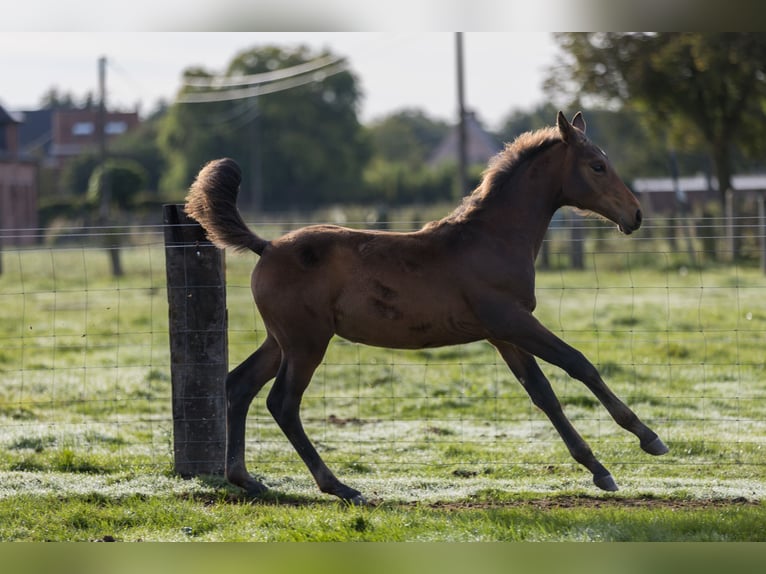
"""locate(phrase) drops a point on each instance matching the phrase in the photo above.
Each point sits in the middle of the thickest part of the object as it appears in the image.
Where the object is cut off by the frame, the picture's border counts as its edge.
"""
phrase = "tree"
(122, 179)
(52, 99)
(111, 187)
(300, 147)
(699, 89)
(141, 146)
(408, 137)
(520, 121)
(76, 173)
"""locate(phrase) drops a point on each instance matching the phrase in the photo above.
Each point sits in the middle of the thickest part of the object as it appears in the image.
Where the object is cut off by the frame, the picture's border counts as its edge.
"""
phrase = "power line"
(260, 90)
(264, 77)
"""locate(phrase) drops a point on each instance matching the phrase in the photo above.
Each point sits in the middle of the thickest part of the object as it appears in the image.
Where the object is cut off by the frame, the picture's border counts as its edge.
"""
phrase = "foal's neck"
(522, 209)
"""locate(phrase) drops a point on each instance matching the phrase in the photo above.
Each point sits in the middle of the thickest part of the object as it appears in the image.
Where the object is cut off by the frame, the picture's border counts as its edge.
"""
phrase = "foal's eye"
(598, 167)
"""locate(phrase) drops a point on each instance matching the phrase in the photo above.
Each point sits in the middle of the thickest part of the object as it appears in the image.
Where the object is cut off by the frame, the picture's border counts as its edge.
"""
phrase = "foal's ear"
(579, 122)
(565, 128)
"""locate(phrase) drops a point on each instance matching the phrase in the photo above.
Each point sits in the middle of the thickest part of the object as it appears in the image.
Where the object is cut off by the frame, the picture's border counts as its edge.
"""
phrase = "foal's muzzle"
(628, 228)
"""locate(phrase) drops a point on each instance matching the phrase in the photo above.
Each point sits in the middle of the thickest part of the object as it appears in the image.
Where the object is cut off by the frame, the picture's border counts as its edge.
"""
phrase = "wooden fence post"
(762, 227)
(576, 242)
(196, 285)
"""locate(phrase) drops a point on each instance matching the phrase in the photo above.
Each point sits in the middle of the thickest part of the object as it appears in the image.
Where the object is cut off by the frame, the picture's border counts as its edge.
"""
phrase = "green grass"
(445, 442)
(63, 507)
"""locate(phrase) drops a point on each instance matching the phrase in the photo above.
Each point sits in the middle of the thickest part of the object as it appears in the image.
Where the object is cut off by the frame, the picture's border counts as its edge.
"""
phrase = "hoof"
(256, 491)
(605, 482)
(251, 486)
(656, 447)
(356, 500)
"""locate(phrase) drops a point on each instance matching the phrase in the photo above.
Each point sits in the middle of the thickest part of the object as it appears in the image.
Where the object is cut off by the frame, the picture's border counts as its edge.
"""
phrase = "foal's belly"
(401, 340)
(414, 326)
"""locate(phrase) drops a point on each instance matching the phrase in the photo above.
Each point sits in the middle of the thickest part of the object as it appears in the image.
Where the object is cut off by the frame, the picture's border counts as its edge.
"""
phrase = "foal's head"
(591, 183)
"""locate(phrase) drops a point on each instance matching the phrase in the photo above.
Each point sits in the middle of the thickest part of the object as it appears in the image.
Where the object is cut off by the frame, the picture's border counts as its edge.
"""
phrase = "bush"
(397, 184)
(123, 178)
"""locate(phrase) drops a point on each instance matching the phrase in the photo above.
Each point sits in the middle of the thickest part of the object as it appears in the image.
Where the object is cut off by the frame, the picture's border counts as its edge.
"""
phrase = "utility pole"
(462, 144)
(111, 237)
(101, 135)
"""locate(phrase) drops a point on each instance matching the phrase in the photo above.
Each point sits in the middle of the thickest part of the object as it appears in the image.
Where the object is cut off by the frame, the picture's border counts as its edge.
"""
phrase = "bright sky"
(503, 71)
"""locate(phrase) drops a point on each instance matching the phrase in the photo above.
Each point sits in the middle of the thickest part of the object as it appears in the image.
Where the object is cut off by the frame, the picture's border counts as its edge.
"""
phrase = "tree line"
(698, 97)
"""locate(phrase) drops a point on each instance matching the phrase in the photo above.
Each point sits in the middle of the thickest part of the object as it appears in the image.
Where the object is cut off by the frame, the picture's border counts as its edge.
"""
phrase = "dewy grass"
(445, 441)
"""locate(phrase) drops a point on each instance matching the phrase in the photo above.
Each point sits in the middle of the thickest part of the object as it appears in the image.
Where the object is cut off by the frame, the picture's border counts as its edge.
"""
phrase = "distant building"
(74, 132)
(18, 187)
(480, 145)
(53, 137)
(35, 134)
(665, 194)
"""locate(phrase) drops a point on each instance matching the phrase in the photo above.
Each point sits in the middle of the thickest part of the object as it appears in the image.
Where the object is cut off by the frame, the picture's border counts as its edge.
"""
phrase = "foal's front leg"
(526, 369)
(519, 327)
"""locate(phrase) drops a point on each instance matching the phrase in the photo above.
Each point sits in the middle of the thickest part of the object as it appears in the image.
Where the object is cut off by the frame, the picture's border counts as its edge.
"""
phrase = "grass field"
(444, 442)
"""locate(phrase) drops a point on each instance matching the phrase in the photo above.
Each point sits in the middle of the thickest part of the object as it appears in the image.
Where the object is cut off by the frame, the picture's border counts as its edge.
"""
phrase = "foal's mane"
(502, 167)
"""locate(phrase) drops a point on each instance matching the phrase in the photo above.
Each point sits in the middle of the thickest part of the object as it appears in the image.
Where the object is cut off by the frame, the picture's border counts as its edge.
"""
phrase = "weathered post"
(576, 242)
(731, 237)
(762, 227)
(196, 285)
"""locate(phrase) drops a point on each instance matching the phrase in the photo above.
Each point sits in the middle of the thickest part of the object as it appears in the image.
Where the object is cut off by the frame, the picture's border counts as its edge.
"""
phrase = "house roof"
(697, 183)
(35, 130)
(6, 118)
(480, 146)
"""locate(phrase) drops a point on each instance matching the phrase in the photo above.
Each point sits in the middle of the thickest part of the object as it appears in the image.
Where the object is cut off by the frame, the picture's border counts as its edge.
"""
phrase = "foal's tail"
(212, 201)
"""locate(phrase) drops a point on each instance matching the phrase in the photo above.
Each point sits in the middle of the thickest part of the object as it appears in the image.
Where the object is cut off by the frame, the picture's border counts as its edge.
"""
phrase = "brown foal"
(467, 277)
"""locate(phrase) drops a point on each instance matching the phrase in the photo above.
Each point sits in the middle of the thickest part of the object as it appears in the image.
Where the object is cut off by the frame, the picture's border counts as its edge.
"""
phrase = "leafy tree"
(398, 172)
(397, 183)
(76, 173)
(121, 179)
(408, 137)
(695, 89)
(141, 145)
(53, 99)
(299, 147)
(111, 188)
(520, 121)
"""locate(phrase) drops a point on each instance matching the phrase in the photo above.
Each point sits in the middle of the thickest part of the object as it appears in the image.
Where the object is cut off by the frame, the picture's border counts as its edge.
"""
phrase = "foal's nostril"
(639, 218)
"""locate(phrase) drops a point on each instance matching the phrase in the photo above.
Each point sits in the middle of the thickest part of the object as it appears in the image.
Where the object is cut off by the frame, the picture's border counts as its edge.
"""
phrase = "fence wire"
(676, 329)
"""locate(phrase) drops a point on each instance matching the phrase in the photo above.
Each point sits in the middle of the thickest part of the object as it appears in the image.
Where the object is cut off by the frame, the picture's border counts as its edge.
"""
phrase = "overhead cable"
(262, 78)
(262, 89)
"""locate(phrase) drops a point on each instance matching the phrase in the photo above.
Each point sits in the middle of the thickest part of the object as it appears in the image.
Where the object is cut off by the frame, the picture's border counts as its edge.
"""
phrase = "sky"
(503, 70)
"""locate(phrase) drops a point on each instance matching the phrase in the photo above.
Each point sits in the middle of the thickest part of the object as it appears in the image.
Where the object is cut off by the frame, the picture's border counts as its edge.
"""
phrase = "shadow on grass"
(226, 493)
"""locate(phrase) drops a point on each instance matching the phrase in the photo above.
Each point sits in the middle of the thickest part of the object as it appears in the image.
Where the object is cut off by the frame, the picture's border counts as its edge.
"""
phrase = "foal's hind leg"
(284, 402)
(242, 384)
(536, 384)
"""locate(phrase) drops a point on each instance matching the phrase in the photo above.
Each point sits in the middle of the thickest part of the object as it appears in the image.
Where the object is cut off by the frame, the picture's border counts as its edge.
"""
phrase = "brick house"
(18, 187)
(76, 131)
(56, 136)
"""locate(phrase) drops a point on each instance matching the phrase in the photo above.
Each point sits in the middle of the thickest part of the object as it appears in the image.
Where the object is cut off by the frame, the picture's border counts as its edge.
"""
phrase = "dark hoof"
(348, 495)
(251, 486)
(656, 447)
(605, 482)
(357, 500)
(257, 491)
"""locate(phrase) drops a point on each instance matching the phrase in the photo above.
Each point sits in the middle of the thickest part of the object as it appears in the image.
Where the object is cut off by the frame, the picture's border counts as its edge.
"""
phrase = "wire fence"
(676, 327)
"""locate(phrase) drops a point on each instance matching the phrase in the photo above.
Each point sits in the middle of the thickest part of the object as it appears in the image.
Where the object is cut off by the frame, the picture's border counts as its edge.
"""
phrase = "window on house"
(83, 129)
(115, 128)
